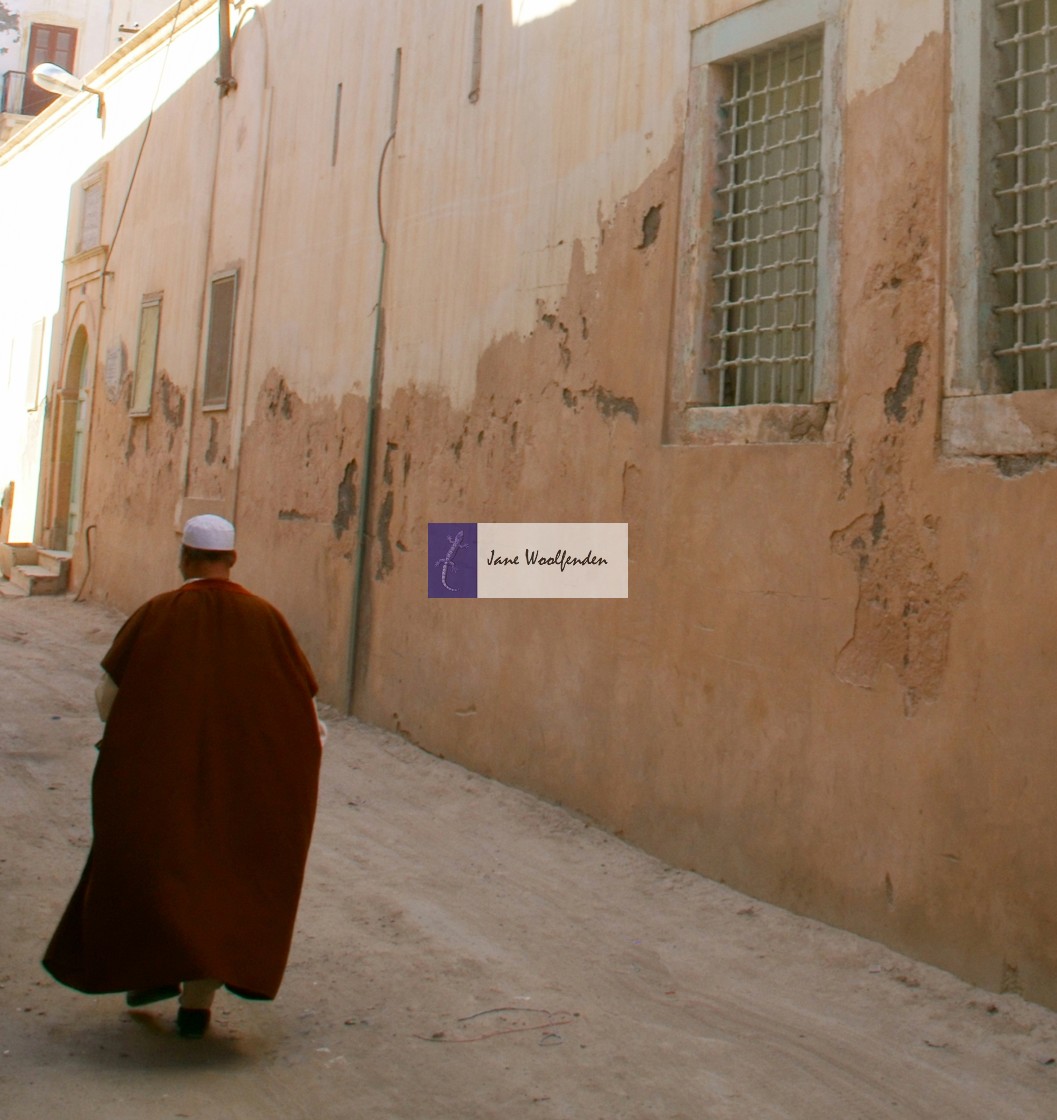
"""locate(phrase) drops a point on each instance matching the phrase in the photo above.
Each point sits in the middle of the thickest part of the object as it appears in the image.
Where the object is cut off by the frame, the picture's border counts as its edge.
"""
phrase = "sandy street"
(465, 951)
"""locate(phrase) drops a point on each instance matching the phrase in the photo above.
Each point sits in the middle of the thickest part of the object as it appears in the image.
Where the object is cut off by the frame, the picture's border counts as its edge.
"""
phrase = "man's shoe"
(142, 996)
(192, 1022)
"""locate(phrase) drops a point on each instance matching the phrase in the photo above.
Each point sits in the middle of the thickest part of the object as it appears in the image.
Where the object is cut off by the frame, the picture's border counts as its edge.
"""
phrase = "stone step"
(37, 580)
(9, 591)
(13, 554)
(54, 560)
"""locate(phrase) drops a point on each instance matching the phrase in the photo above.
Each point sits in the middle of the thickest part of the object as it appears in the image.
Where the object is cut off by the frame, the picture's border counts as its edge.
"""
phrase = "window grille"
(766, 236)
(1026, 190)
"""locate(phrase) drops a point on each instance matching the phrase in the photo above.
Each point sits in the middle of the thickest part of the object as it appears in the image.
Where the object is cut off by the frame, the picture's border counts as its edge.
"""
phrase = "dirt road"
(465, 951)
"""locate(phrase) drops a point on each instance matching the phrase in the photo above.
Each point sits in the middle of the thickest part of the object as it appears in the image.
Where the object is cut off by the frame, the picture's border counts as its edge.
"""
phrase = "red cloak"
(203, 800)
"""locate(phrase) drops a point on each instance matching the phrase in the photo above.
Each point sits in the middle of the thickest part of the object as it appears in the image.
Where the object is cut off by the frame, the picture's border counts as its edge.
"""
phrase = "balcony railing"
(13, 92)
(20, 94)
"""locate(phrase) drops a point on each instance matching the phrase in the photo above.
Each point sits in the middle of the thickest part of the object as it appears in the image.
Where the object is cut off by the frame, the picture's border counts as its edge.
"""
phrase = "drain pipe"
(225, 80)
(373, 398)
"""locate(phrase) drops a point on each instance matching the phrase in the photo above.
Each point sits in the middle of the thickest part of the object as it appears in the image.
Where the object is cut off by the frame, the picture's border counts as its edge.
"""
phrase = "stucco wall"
(829, 685)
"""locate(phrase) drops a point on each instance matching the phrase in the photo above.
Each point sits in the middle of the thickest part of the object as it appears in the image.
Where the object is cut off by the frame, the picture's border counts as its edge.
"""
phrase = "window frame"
(980, 418)
(715, 48)
(153, 300)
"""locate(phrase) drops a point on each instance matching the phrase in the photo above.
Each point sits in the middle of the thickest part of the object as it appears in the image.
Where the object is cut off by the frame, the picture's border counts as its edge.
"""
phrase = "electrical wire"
(139, 157)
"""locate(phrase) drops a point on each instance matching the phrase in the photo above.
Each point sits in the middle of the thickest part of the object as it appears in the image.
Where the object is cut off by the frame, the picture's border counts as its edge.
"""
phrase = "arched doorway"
(71, 442)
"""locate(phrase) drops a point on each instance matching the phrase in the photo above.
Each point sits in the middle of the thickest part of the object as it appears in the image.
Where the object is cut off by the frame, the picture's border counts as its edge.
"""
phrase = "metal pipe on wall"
(373, 399)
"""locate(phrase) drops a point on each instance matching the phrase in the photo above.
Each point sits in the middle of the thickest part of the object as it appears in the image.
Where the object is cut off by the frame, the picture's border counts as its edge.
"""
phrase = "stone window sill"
(756, 424)
(1001, 424)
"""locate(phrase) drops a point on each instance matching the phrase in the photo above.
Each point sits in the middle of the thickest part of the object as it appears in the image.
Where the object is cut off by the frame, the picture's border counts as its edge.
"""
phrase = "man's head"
(207, 550)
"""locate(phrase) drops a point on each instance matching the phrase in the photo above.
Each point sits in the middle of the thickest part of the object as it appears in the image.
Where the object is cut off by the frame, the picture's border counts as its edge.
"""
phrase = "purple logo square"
(452, 565)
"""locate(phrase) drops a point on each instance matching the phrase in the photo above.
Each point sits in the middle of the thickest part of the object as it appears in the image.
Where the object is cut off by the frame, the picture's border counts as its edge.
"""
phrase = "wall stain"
(213, 448)
(293, 515)
(279, 400)
(346, 500)
(607, 402)
(386, 562)
(564, 352)
(1016, 466)
(173, 402)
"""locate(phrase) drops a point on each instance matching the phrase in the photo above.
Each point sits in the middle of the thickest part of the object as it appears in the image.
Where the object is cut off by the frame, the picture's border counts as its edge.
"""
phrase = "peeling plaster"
(346, 504)
(904, 611)
(879, 45)
(896, 398)
(651, 225)
(904, 607)
(610, 405)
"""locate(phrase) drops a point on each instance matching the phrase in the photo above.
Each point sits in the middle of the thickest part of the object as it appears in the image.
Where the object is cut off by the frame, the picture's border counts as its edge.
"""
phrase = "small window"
(220, 340)
(754, 344)
(36, 363)
(146, 355)
(91, 213)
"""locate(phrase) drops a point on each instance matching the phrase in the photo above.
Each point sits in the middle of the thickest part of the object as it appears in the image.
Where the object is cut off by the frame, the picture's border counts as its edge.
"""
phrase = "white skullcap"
(210, 533)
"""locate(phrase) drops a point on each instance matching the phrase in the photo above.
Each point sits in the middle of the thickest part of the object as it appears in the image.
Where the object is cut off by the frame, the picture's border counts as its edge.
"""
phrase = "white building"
(75, 34)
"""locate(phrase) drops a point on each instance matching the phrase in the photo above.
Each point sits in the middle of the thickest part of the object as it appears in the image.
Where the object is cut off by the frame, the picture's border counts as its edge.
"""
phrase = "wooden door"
(47, 43)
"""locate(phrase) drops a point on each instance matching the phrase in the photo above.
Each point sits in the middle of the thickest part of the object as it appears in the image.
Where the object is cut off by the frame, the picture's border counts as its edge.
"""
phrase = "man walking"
(203, 797)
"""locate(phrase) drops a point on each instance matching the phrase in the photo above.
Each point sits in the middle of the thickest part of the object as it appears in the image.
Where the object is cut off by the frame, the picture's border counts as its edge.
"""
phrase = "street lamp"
(54, 79)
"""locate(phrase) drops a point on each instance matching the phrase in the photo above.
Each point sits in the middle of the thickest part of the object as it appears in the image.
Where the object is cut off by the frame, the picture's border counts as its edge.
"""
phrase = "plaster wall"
(829, 685)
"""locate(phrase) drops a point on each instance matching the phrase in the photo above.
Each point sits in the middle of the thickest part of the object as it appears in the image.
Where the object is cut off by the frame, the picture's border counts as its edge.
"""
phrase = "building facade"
(769, 281)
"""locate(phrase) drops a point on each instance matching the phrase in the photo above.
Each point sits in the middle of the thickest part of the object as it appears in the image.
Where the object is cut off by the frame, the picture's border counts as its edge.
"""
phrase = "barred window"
(754, 346)
(1000, 376)
(1026, 193)
(766, 233)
